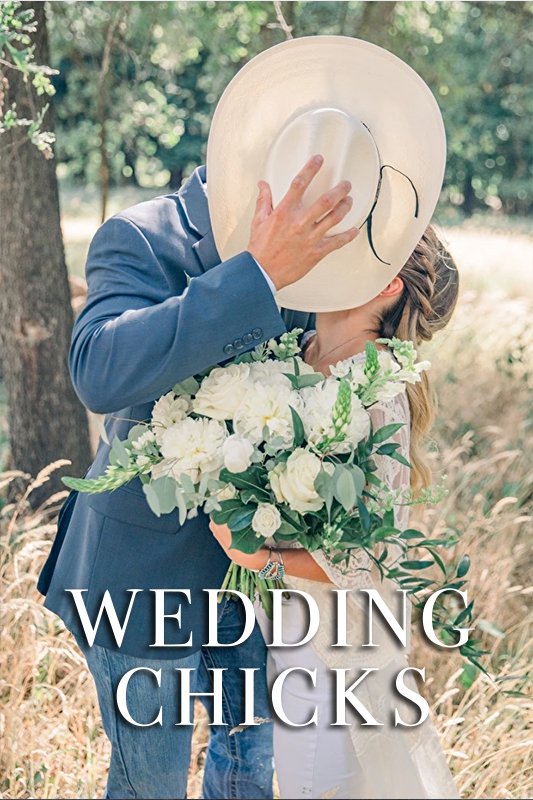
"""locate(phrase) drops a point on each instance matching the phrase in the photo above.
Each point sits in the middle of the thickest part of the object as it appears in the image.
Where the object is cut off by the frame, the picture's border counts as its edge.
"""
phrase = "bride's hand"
(251, 561)
(222, 534)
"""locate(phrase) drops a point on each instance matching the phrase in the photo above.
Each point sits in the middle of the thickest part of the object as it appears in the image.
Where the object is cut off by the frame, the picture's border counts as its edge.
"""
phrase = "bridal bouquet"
(282, 454)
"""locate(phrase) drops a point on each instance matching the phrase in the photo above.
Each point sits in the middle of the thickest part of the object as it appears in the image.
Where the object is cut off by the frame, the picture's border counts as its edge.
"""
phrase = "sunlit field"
(53, 744)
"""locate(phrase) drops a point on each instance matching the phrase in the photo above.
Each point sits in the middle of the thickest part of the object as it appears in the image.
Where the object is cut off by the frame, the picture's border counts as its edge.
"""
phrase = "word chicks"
(343, 683)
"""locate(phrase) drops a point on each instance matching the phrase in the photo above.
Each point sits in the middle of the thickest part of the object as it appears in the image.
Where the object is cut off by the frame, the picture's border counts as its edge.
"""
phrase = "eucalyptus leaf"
(345, 491)
(188, 386)
(118, 449)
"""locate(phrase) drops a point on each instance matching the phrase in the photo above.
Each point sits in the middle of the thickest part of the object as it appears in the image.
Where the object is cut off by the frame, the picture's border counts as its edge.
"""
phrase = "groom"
(161, 307)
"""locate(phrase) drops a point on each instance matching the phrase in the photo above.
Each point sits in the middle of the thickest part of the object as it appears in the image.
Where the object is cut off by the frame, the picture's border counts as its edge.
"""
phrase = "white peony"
(267, 404)
(272, 371)
(221, 391)
(266, 520)
(193, 446)
(237, 453)
(293, 482)
(317, 416)
(168, 410)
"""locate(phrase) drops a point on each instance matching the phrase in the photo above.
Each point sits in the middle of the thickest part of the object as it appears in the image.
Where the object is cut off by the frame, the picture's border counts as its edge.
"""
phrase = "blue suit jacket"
(161, 306)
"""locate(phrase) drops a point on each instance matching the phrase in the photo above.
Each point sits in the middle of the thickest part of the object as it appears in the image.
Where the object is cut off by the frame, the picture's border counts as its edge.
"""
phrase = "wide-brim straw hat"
(377, 124)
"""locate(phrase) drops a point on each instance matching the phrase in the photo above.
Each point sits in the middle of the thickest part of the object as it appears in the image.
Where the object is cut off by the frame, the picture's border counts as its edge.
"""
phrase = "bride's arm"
(298, 562)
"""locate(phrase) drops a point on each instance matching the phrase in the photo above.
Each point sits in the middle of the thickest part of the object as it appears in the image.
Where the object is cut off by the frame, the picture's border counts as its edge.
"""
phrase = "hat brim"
(367, 82)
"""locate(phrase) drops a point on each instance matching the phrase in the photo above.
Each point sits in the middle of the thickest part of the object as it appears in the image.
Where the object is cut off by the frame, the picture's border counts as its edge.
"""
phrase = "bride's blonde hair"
(431, 284)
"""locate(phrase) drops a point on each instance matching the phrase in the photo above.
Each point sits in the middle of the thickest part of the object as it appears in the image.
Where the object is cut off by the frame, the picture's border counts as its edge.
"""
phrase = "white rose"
(293, 482)
(266, 520)
(168, 410)
(267, 404)
(237, 453)
(221, 391)
(319, 402)
(193, 446)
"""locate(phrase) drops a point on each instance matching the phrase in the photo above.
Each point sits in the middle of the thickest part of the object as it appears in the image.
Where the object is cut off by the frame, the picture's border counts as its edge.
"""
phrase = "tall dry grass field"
(53, 745)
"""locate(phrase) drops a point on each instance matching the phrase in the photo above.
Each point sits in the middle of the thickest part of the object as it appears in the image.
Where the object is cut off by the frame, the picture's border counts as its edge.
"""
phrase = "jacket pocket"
(125, 505)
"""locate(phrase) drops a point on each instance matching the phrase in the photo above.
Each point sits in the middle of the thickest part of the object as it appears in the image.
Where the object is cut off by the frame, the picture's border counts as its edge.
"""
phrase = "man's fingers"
(301, 181)
(336, 215)
(330, 243)
(263, 205)
(327, 203)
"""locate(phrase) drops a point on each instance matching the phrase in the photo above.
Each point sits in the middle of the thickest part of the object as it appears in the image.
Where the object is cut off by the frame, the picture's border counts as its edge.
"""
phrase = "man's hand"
(289, 241)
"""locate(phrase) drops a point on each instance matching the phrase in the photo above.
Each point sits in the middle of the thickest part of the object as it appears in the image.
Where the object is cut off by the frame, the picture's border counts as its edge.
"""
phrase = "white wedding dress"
(357, 761)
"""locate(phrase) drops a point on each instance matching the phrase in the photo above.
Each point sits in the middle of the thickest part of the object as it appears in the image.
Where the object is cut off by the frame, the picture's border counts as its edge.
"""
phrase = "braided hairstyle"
(431, 284)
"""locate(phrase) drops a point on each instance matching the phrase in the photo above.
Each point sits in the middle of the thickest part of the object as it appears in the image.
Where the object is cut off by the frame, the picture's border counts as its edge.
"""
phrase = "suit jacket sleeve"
(134, 340)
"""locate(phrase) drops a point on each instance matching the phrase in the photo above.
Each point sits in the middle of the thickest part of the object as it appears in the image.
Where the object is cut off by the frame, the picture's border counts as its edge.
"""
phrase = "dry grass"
(53, 744)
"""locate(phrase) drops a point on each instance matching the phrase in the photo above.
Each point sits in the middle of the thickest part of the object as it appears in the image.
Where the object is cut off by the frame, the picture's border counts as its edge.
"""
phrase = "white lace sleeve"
(396, 477)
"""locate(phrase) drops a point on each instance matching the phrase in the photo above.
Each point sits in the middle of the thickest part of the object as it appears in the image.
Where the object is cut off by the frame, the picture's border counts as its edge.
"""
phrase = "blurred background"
(103, 105)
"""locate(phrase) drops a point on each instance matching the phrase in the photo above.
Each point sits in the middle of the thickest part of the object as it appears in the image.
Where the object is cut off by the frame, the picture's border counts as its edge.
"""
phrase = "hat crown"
(349, 152)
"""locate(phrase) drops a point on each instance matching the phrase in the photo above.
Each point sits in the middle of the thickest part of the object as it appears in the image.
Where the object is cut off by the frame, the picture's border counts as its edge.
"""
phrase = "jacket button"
(229, 349)
(238, 344)
(247, 338)
(257, 333)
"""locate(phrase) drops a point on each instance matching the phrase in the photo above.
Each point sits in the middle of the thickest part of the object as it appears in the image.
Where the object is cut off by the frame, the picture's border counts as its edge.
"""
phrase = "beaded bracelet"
(273, 570)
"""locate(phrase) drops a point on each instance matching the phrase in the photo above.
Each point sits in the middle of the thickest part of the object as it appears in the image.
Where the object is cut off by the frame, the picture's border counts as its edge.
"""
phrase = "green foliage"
(170, 62)
(17, 53)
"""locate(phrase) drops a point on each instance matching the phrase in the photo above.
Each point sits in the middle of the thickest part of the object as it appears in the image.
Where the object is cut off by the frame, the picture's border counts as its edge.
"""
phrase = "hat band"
(368, 220)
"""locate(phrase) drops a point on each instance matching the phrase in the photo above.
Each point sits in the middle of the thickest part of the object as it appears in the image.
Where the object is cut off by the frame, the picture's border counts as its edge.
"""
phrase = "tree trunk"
(46, 420)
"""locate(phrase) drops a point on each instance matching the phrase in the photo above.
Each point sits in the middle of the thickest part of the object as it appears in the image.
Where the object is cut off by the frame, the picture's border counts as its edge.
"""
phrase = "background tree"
(46, 420)
(170, 62)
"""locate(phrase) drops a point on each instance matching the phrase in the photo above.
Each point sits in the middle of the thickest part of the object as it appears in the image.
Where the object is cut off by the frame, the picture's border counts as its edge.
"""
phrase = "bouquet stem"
(249, 583)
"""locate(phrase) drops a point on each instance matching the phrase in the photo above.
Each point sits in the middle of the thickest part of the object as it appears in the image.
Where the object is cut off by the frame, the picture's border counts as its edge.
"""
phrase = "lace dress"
(393, 762)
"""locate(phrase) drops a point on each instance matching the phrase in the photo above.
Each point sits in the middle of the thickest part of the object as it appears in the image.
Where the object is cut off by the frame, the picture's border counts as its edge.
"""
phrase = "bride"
(360, 761)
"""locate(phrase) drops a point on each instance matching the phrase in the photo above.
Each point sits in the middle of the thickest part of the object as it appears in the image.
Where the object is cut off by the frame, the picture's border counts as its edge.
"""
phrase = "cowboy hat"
(376, 123)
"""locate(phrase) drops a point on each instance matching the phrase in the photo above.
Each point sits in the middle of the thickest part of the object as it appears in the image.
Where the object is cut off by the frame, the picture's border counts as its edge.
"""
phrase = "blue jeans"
(153, 762)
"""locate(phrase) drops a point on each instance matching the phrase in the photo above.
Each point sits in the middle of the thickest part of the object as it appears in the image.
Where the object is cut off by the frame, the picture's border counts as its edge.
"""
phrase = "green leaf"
(118, 449)
(241, 518)
(364, 516)
(165, 491)
(246, 541)
(387, 449)
(152, 498)
(345, 491)
(358, 478)
(386, 432)
(135, 432)
(298, 427)
(463, 567)
(182, 508)
(187, 386)
(227, 507)
(411, 533)
(416, 564)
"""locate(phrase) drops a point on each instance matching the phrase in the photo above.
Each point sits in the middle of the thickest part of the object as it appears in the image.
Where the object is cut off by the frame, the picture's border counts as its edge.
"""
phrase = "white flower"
(389, 390)
(293, 482)
(193, 446)
(410, 376)
(272, 371)
(141, 441)
(142, 461)
(222, 390)
(266, 520)
(317, 416)
(237, 452)
(168, 410)
(267, 404)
